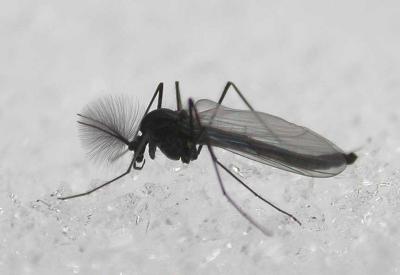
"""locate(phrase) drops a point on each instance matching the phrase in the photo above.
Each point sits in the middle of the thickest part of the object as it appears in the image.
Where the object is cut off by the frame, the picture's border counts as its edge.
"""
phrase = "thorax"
(162, 123)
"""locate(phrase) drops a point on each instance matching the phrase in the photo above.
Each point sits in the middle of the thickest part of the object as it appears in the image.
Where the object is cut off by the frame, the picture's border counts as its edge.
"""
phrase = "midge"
(110, 127)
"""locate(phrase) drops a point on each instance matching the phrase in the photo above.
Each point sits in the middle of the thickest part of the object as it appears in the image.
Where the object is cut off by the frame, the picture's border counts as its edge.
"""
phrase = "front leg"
(178, 96)
(159, 93)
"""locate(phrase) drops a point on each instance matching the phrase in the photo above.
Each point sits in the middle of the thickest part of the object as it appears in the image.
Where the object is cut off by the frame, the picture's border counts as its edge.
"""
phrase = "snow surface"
(332, 66)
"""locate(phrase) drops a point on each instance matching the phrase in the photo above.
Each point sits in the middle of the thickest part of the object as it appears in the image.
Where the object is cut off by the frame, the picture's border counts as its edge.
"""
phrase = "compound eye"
(131, 147)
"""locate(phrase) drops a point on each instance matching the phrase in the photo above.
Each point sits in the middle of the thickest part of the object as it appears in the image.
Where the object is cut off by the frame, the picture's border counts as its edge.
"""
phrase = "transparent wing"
(271, 140)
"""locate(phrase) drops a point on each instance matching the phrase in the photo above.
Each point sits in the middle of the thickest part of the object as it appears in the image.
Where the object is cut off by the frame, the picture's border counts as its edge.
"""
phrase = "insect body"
(168, 130)
(110, 128)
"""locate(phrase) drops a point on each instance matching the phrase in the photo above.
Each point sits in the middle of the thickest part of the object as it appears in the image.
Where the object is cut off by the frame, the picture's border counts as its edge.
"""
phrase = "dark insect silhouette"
(111, 127)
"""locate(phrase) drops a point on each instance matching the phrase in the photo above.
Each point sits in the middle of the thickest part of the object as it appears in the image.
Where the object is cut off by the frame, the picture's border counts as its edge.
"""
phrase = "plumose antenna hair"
(107, 125)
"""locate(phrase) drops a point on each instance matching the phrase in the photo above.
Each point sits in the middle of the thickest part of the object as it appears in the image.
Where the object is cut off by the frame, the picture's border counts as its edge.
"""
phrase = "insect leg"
(222, 97)
(256, 194)
(178, 96)
(241, 211)
(194, 152)
(159, 92)
(132, 164)
(101, 186)
(215, 161)
(236, 89)
(227, 86)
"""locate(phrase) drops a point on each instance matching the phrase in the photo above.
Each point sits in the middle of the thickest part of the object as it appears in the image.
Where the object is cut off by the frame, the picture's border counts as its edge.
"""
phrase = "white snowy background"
(332, 66)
